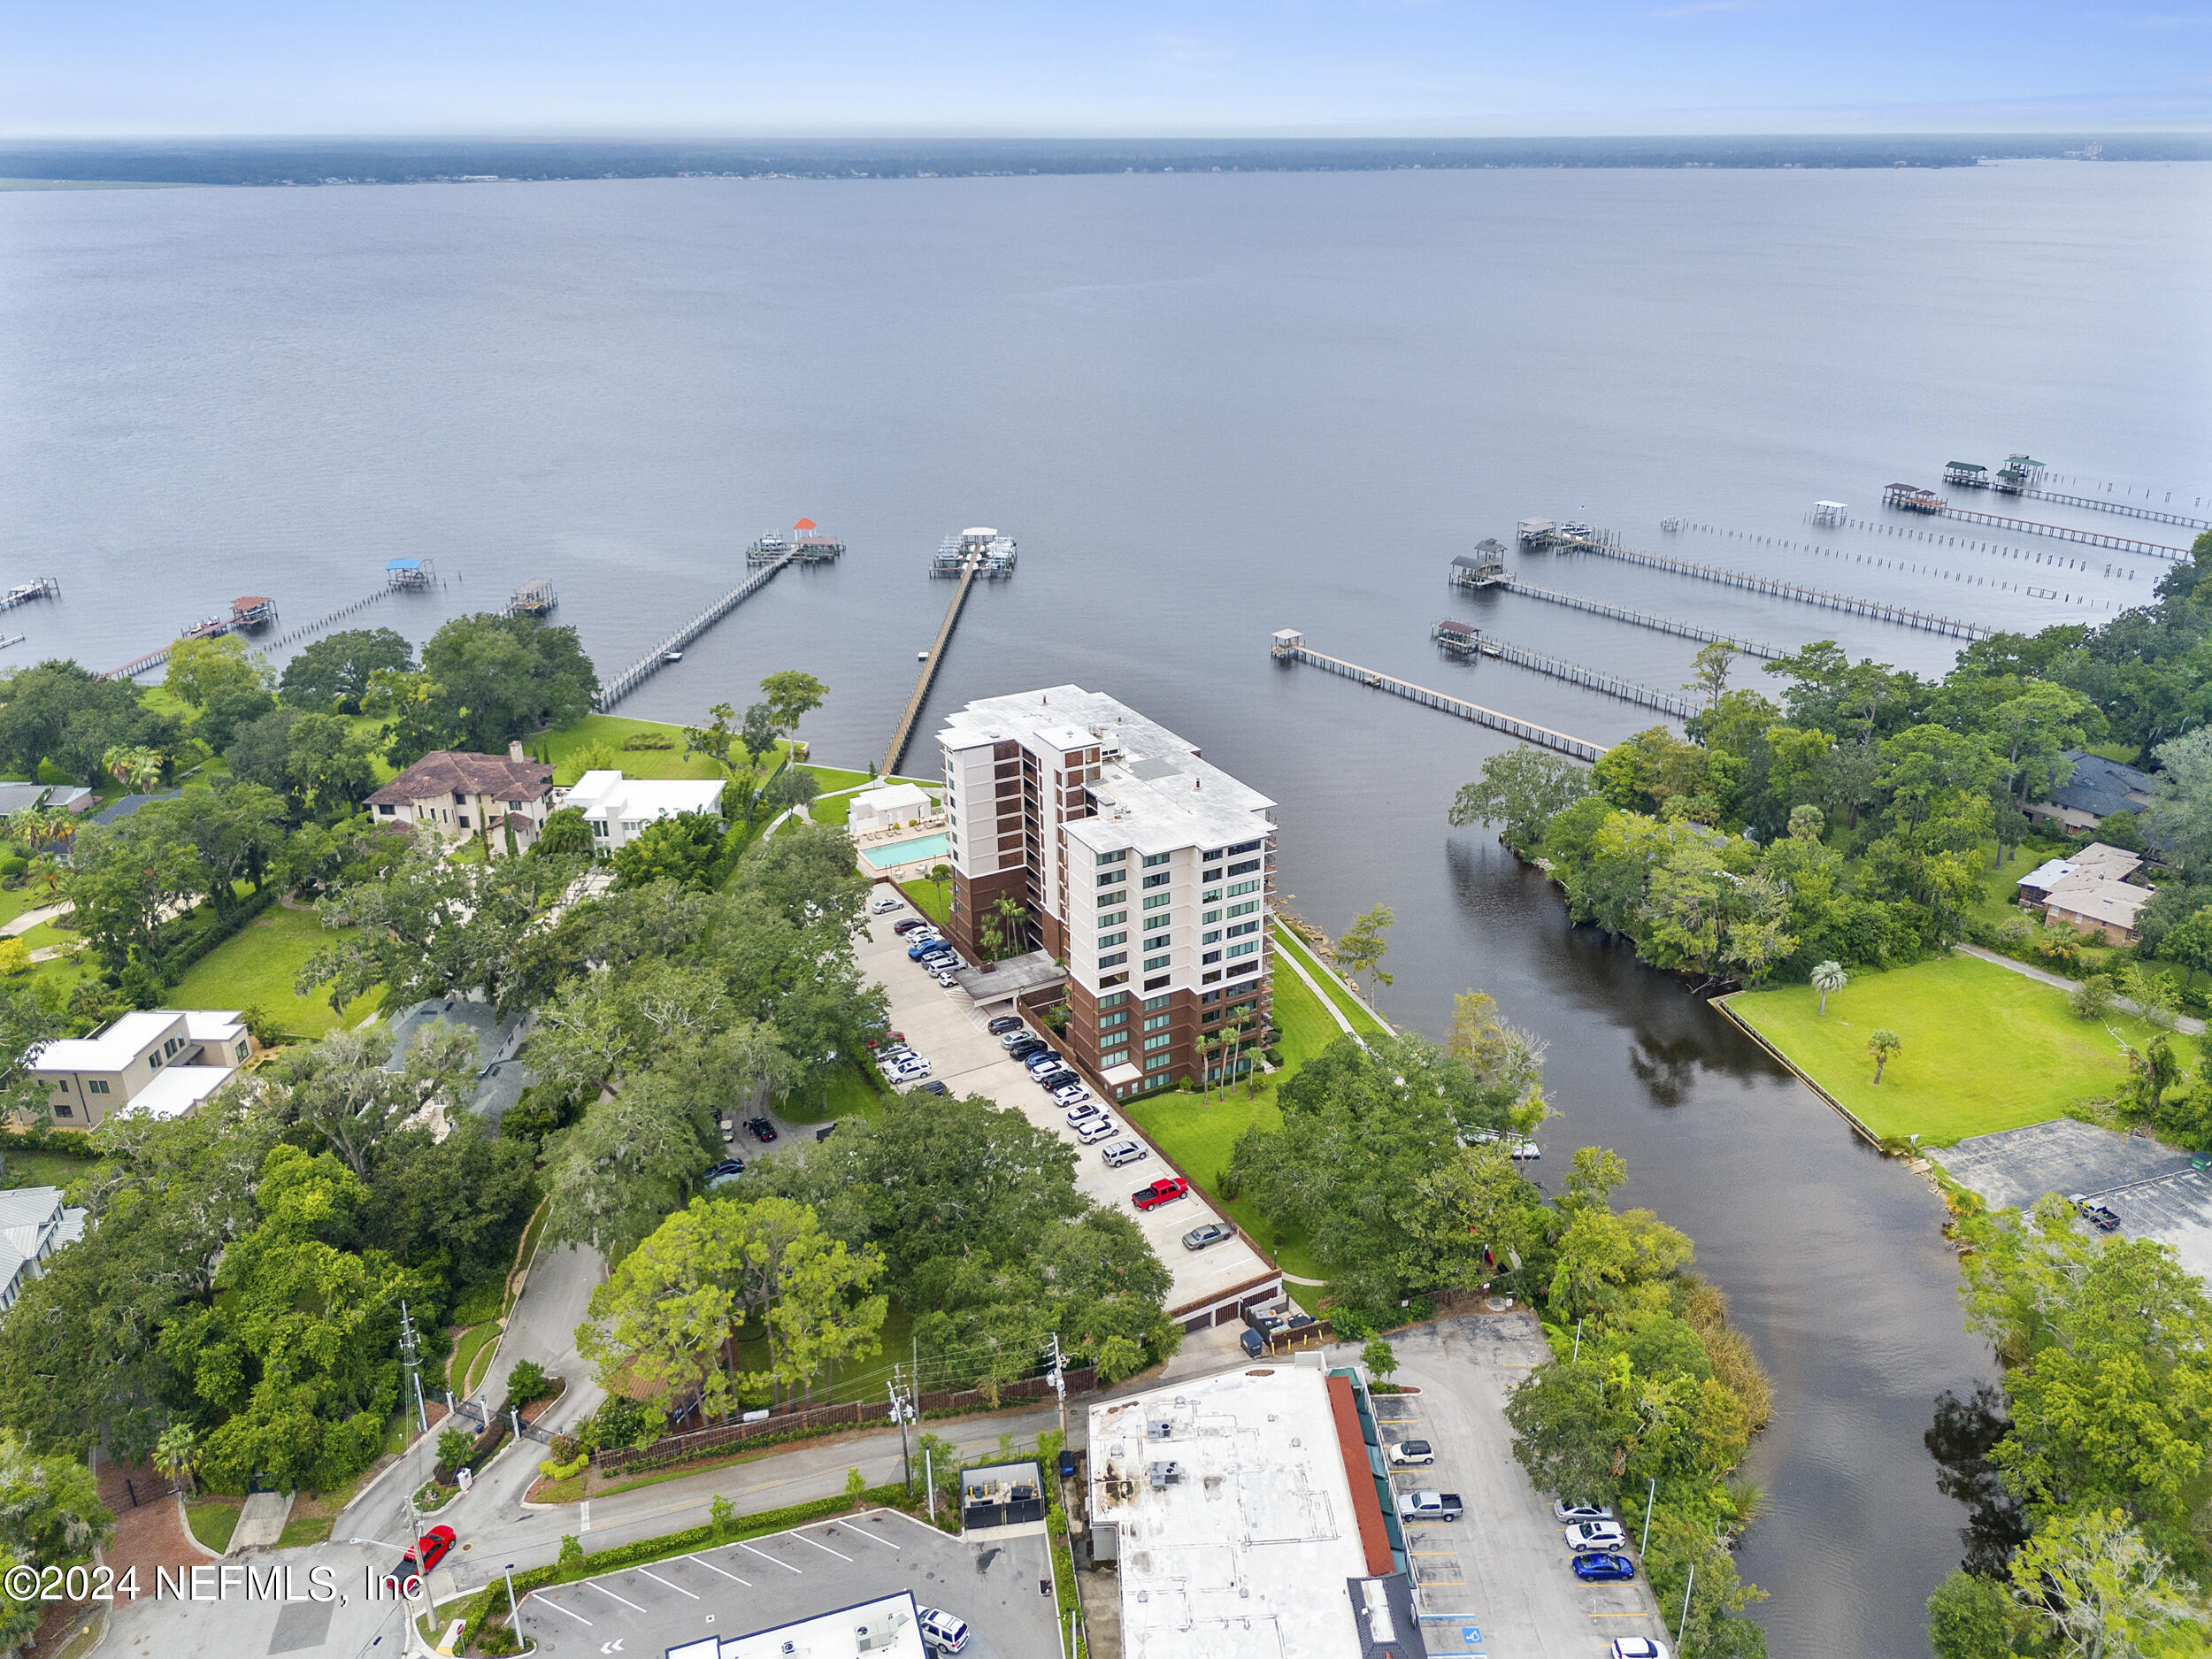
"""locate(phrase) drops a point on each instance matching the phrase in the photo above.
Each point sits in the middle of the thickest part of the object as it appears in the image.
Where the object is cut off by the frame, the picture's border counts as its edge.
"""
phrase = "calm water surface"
(1208, 407)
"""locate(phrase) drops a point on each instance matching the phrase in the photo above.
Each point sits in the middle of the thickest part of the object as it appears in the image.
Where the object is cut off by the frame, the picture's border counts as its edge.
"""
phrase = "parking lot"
(947, 1028)
(2155, 1193)
(1497, 1582)
(1003, 1589)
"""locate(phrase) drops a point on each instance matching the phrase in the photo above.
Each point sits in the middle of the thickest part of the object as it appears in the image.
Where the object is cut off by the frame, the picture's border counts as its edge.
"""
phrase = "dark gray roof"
(115, 811)
(2101, 787)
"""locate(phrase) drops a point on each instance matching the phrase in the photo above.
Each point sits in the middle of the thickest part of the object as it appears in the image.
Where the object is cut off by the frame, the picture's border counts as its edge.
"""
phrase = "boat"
(921, 657)
(212, 627)
(770, 547)
(672, 656)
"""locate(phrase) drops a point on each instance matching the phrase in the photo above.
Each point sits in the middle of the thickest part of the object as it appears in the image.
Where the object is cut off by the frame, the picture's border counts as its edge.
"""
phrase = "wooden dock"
(904, 734)
(2067, 533)
(23, 592)
(1904, 618)
(1559, 668)
(1642, 619)
(320, 623)
(1289, 646)
(638, 672)
(2105, 503)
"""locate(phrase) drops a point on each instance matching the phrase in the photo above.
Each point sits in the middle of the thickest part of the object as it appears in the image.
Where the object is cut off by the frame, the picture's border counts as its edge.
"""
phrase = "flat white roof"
(109, 1050)
(893, 795)
(889, 1626)
(609, 794)
(1242, 1548)
(176, 1090)
(1155, 794)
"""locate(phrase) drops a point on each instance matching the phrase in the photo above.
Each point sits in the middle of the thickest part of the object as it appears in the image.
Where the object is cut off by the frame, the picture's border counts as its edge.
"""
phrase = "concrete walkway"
(2187, 1023)
(1314, 985)
(29, 919)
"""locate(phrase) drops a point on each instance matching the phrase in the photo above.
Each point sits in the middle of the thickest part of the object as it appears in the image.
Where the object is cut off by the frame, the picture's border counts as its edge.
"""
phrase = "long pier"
(1926, 620)
(1559, 668)
(140, 666)
(320, 623)
(638, 672)
(2105, 503)
(1642, 619)
(905, 733)
(37, 588)
(1289, 646)
(2065, 533)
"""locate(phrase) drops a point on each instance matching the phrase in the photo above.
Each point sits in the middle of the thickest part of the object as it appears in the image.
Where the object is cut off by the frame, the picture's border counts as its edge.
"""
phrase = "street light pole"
(1683, 1624)
(1650, 1498)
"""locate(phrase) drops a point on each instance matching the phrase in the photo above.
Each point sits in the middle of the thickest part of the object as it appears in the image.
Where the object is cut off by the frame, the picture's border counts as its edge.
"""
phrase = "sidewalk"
(2186, 1023)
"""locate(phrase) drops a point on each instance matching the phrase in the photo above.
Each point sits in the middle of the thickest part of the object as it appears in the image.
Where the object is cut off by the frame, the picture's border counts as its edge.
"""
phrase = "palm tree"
(941, 875)
(1883, 1045)
(1010, 917)
(137, 769)
(175, 1453)
(1828, 976)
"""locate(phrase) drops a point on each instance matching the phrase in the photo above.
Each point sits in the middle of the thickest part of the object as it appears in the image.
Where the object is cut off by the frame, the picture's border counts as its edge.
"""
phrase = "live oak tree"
(1520, 790)
(220, 680)
(331, 675)
(498, 678)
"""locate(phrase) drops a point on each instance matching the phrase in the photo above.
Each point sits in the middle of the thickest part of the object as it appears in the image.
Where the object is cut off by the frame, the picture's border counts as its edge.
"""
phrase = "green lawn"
(925, 897)
(45, 1169)
(462, 1371)
(1985, 1048)
(1362, 1022)
(257, 966)
(851, 1094)
(214, 1519)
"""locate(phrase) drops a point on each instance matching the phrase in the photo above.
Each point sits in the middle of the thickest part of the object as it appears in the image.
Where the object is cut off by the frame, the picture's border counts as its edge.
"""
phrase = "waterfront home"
(2091, 888)
(2093, 788)
(618, 808)
(452, 795)
(162, 1061)
(34, 1224)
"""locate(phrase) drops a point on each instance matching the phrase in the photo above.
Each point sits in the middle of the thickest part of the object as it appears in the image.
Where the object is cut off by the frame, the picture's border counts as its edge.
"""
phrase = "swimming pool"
(906, 852)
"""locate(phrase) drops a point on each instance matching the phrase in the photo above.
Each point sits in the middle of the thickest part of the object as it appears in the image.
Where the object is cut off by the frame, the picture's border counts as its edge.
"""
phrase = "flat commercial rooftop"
(1231, 1516)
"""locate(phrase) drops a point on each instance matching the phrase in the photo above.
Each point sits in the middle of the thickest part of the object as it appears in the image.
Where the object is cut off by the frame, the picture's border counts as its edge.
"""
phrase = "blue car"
(1604, 1569)
(915, 953)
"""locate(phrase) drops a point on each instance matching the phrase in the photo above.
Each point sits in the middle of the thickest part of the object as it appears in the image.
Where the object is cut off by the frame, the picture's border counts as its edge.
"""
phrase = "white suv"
(942, 1632)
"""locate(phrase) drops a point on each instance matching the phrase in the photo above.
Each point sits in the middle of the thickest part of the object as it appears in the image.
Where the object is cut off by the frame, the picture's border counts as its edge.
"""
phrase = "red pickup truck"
(1166, 1190)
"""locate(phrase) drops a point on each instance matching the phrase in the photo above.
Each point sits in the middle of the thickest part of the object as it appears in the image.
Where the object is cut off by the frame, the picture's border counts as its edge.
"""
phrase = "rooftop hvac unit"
(1166, 1474)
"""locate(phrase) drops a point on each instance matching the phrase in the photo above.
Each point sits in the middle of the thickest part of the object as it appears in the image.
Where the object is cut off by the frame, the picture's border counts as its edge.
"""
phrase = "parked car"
(1122, 1152)
(1021, 1044)
(1092, 1130)
(1070, 1093)
(1585, 1536)
(1637, 1648)
(1411, 1455)
(1089, 1108)
(2102, 1217)
(1166, 1190)
(1056, 1079)
(1043, 1059)
(943, 976)
(1213, 1232)
(728, 1166)
(942, 1632)
(1430, 1506)
(884, 1034)
(928, 946)
(1604, 1569)
(729, 1132)
(1004, 1024)
(762, 1128)
(930, 1087)
(937, 956)
(431, 1547)
(883, 904)
(909, 924)
(909, 1069)
(1563, 1511)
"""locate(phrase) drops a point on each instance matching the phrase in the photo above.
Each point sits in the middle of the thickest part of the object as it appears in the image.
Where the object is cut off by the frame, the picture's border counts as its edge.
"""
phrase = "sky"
(1308, 68)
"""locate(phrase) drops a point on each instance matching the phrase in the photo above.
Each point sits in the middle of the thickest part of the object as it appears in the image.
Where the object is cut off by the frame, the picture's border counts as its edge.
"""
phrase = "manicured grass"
(303, 1530)
(1362, 1022)
(1303, 1025)
(46, 1169)
(611, 729)
(30, 896)
(257, 967)
(925, 897)
(214, 1519)
(851, 1094)
(1985, 1048)
(896, 1337)
(471, 1356)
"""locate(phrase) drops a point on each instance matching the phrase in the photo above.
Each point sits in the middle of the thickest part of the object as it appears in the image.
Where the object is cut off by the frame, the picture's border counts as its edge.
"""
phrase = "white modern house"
(891, 807)
(162, 1061)
(34, 1224)
(617, 807)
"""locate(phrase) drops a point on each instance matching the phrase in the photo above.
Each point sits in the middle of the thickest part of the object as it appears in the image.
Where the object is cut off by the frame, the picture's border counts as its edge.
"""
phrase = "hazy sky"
(1349, 67)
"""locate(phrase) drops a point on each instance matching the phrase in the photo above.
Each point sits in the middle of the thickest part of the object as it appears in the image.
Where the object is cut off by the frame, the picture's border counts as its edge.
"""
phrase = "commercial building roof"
(888, 1627)
(1155, 792)
(1232, 1517)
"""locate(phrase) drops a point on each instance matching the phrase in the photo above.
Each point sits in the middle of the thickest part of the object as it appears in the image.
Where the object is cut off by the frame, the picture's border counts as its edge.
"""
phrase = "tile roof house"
(453, 795)
(34, 1224)
(162, 1061)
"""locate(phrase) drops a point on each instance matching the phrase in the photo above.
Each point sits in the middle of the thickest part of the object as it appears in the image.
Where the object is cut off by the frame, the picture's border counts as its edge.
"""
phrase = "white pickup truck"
(1429, 1506)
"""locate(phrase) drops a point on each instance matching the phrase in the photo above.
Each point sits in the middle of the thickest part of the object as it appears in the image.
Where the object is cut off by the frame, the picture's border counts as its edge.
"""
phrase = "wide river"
(1208, 407)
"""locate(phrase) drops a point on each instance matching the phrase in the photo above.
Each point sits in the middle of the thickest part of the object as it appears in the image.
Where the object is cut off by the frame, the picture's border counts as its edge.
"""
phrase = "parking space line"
(824, 1548)
(864, 1532)
(602, 1590)
(657, 1579)
(703, 1561)
(770, 1560)
(540, 1595)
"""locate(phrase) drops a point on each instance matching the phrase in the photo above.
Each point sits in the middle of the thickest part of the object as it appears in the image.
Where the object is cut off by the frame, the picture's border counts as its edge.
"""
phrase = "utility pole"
(903, 1412)
(1683, 1624)
(1060, 1385)
(1650, 1498)
(409, 1357)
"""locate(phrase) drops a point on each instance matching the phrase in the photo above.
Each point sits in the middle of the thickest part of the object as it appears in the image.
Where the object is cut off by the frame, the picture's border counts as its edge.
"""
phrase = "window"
(62, 1109)
(1114, 978)
(1113, 857)
(1115, 960)
(1153, 1004)
(464, 820)
(1157, 1063)
(1243, 928)
(1244, 949)
(245, 1053)
(1244, 847)
(153, 1063)
(1214, 852)
(1160, 1041)
(1245, 908)
(1244, 967)
(1160, 879)
(1214, 938)
(1159, 1022)
(1115, 1000)
(1112, 876)
(97, 1087)
(1211, 956)
(386, 809)
(1210, 996)
(1241, 889)
(1211, 898)
(1246, 868)
(1114, 920)
(1106, 940)
(1152, 963)
(1153, 861)
(1121, 1019)
(1210, 916)
(1210, 977)
(1154, 984)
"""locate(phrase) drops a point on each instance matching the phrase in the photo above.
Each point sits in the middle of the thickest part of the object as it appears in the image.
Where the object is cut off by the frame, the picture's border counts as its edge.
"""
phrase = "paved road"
(2182, 1022)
